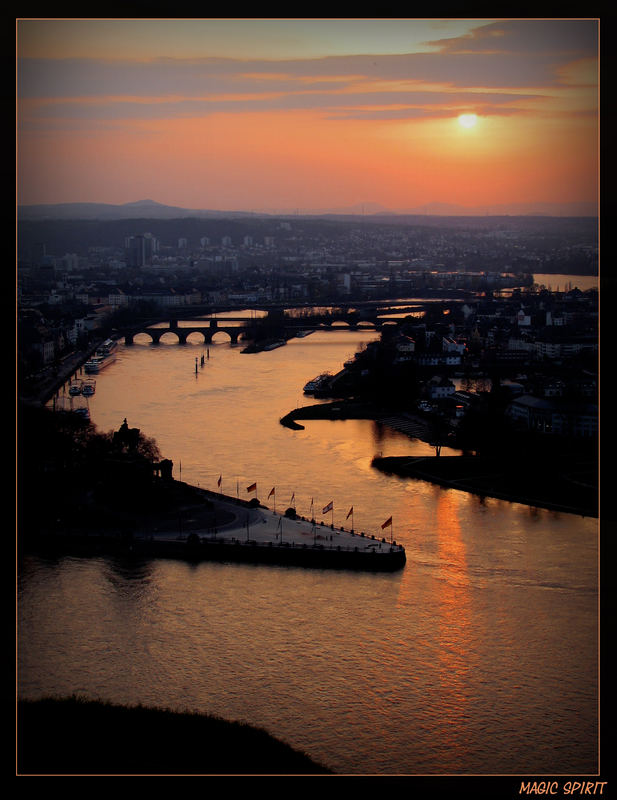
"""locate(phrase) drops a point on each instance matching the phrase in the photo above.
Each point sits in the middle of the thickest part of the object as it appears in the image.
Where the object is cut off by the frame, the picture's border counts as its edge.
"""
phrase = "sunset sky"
(276, 115)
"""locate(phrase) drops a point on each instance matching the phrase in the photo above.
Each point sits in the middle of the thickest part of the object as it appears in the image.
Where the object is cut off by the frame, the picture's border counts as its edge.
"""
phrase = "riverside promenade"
(259, 534)
(223, 528)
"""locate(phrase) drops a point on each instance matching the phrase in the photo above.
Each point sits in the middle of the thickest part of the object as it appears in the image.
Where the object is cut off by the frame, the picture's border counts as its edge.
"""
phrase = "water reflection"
(487, 633)
(453, 632)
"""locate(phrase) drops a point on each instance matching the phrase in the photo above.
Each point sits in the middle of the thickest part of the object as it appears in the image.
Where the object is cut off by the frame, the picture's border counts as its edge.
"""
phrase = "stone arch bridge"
(208, 330)
(237, 327)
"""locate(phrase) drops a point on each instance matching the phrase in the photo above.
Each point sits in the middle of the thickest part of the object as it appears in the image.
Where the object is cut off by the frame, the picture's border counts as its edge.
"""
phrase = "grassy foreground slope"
(72, 736)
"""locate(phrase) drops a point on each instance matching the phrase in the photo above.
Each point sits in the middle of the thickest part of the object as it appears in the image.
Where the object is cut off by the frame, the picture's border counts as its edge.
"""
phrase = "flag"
(251, 488)
(271, 492)
(349, 513)
(387, 523)
(293, 497)
(220, 480)
(329, 507)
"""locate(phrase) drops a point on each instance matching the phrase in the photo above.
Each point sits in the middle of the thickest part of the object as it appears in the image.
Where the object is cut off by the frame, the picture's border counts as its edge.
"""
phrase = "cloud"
(514, 63)
(567, 38)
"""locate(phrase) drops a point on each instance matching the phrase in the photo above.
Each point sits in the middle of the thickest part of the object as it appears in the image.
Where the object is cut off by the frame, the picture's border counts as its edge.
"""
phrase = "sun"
(467, 120)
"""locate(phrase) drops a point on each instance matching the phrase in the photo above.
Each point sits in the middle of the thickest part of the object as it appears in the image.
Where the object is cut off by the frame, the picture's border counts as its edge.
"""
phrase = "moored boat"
(104, 356)
(88, 388)
(317, 383)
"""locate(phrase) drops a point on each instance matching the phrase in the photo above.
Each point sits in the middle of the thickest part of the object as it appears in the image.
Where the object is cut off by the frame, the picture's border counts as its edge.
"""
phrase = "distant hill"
(150, 209)
(141, 209)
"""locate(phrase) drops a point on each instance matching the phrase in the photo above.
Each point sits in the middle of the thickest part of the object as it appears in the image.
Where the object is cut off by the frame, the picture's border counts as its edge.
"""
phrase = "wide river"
(479, 657)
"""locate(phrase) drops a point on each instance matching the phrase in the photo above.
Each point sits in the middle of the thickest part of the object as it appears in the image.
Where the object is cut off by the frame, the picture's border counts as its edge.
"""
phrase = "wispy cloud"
(344, 106)
(510, 56)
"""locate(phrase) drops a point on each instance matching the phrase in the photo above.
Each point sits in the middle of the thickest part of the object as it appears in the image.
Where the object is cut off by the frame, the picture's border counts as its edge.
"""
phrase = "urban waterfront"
(479, 657)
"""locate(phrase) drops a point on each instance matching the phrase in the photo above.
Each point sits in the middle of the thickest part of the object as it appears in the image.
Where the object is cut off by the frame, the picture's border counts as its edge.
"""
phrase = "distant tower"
(140, 249)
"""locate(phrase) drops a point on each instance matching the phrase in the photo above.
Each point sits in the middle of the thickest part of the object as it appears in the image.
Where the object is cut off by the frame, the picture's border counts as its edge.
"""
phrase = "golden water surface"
(480, 656)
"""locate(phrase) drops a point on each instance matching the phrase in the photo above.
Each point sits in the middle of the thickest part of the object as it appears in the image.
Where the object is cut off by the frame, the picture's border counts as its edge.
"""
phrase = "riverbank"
(568, 485)
(73, 736)
(340, 409)
(216, 527)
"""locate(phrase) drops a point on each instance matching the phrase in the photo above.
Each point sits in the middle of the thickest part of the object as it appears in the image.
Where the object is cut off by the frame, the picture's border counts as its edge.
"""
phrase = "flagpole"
(350, 514)
(388, 523)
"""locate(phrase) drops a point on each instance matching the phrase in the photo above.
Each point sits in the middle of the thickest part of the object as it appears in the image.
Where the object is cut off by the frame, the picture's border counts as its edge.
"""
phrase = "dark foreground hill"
(72, 736)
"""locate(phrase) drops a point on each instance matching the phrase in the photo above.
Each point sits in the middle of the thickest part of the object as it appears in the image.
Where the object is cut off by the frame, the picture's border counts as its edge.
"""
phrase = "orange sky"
(309, 115)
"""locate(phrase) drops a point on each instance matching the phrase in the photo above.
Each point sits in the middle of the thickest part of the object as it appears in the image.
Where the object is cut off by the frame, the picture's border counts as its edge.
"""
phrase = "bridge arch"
(200, 336)
(216, 336)
(168, 336)
(152, 333)
(181, 334)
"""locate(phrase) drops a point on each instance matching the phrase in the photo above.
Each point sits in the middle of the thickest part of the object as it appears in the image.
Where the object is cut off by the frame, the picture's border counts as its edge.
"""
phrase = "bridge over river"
(280, 322)
(206, 328)
(241, 327)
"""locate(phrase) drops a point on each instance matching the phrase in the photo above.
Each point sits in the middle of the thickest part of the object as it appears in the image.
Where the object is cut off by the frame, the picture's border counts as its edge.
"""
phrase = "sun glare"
(467, 120)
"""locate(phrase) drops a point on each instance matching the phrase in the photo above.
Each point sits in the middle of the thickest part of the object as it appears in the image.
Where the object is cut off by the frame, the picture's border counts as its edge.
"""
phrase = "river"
(479, 657)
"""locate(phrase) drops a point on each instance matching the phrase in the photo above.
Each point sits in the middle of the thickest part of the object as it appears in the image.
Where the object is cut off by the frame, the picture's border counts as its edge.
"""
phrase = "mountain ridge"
(155, 210)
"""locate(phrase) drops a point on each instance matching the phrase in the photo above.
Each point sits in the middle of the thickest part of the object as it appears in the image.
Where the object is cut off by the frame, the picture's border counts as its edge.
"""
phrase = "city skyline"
(315, 115)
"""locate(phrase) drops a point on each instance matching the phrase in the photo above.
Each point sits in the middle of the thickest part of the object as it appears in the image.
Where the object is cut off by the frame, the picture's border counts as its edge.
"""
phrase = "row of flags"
(326, 509)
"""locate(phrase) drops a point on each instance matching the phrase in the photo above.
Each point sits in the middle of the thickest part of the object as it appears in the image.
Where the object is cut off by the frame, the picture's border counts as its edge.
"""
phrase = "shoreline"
(493, 477)
(567, 484)
(227, 529)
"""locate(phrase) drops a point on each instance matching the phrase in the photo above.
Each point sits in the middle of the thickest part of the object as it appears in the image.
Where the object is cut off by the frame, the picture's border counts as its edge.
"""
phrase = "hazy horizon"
(317, 115)
(359, 209)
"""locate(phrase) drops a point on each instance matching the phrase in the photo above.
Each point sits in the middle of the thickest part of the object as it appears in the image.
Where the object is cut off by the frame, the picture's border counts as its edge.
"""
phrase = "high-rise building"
(140, 249)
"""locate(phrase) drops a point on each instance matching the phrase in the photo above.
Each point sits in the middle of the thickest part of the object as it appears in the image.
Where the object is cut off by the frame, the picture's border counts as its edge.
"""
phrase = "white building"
(438, 359)
(449, 345)
(440, 387)
(554, 416)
